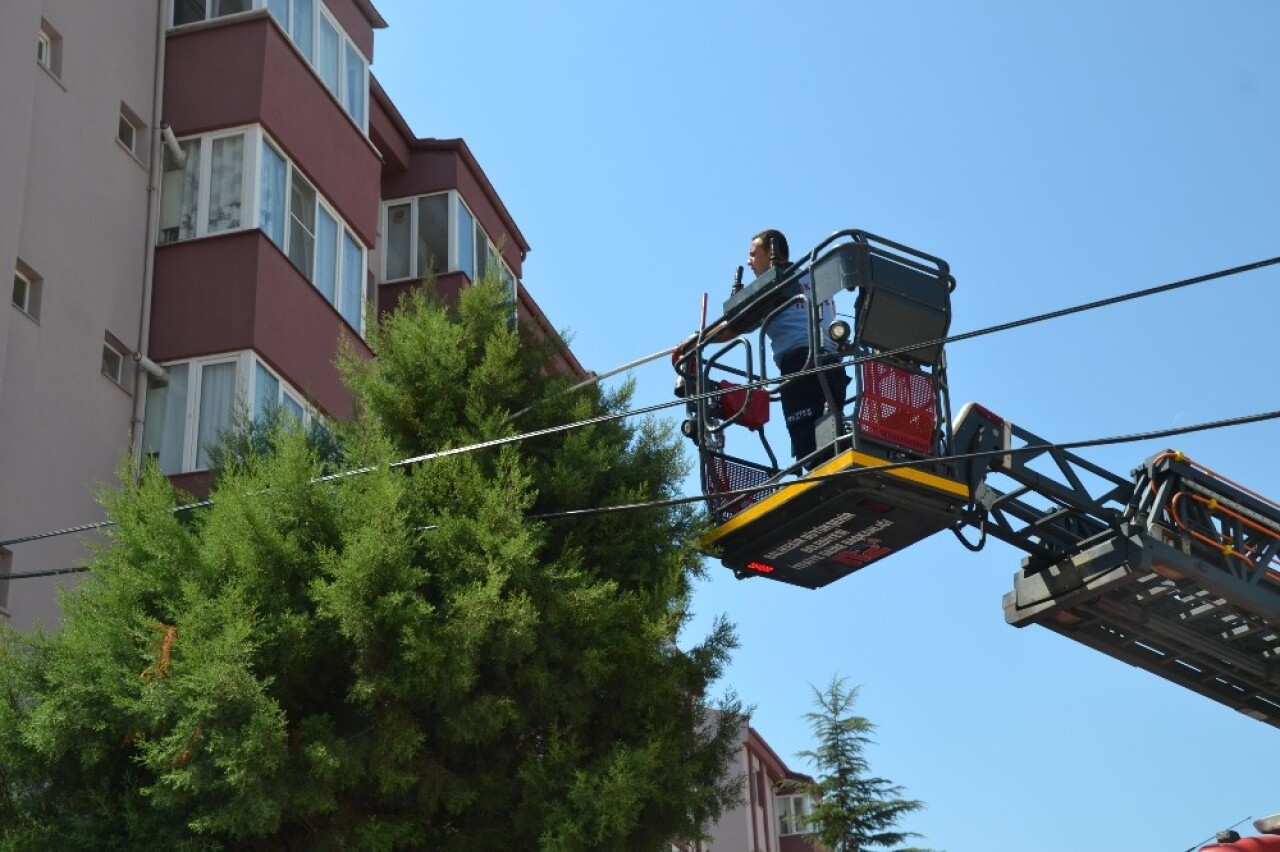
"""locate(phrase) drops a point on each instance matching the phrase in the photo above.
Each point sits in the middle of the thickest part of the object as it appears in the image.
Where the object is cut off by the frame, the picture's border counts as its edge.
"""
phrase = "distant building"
(200, 197)
(770, 817)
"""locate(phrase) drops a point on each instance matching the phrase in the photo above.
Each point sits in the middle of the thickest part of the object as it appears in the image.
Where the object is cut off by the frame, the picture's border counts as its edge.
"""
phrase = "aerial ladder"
(1171, 569)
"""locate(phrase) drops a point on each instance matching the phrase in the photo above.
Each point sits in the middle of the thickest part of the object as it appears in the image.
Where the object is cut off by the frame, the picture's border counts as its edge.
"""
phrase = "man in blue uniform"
(803, 400)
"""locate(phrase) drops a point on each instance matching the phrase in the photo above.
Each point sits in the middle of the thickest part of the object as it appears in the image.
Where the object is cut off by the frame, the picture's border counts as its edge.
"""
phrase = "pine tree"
(405, 658)
(855, 811)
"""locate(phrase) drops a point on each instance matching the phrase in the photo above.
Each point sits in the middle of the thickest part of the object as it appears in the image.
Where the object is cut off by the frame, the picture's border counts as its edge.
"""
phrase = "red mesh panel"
(755, 400)
(898, 406)
(725, 475)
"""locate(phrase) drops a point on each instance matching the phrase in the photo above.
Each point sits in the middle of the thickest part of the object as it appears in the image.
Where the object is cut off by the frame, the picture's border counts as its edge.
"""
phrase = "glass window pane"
(483, 252)
(433, 234)
(292, 407)
(352, 304)
(165, 425)
(273, 178)
(326, 277)
(466, 241)
(327, 61)
(217, 395)
(279, 9)
(188, 11)
(396, 245)
(20, 290)
(354, 84)
(180, 193)
(302, 27)
(266, 392)
(229, 7)
(302, 224)
(226, 183)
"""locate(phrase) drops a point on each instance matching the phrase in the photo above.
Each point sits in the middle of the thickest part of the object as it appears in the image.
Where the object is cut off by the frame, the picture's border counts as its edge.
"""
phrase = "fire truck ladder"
(1171, 571)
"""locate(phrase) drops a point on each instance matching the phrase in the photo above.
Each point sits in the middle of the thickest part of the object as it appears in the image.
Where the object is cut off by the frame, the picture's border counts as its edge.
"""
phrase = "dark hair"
(779, 243)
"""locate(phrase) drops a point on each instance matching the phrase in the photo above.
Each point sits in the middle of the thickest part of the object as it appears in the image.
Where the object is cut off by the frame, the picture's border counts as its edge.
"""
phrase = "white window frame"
(27, 287)
(480, 239)
(132, 126)
(244, 399)
(289, 27)
(114, 351)
(44, 50)
(343, 230)
(791, 819)
(249, 187)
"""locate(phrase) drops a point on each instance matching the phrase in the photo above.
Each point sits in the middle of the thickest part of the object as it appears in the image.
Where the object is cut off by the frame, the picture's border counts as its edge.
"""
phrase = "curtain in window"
(279, 9)
(353, 94)
(326, 277)
(352, 304)
(226, 182)
(274, 172)
(165, 425)
(302, 27)
(187, 211)
(328, 60)
(217, 395)
(266, 392)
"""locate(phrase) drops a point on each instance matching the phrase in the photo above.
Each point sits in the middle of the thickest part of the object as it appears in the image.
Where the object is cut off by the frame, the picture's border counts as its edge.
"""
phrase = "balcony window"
(793, 814)
(202, 401)
(319, 38)
(239, 179)
(438, 247)
(319, 244)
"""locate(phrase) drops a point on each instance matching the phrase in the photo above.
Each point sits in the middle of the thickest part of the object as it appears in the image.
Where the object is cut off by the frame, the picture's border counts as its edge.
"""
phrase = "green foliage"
(398, 659)
(855, 811)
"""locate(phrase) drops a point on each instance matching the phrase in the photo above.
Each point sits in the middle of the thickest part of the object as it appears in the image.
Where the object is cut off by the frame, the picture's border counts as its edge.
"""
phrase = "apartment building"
(770, 816)
(202, 197)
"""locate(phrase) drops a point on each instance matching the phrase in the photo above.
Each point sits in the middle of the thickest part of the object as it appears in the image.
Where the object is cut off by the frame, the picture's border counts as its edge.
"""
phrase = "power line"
(650, 409)
(1030, 449)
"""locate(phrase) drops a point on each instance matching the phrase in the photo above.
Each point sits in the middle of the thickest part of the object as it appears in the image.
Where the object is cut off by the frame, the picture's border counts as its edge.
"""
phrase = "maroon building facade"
(244, 197)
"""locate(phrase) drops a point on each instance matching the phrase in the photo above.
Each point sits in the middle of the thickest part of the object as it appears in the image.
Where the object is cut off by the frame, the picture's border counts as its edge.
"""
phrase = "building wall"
(81, 210)
(75, 212)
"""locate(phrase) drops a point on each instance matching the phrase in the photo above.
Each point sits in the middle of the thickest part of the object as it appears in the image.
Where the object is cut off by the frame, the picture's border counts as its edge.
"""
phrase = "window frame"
(291, 27)
(244, 402)
(486, 246)
(137, 132)
(792, 821)
(249, 185)
(113, 349)
(344, 232)
(44, 50)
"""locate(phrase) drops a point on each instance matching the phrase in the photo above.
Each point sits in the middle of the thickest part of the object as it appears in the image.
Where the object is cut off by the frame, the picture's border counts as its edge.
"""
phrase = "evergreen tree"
(405, 658)
(855, 811)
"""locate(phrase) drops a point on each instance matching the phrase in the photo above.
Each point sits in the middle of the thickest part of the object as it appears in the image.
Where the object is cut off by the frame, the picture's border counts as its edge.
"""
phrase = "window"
(793, 814)
(317, 242)
(318, 36)
(194, 11)
(131, 132)
(201, 402)
(49, 49)
(27, 287)
(419, 241)
(113, 359)
(239, 179)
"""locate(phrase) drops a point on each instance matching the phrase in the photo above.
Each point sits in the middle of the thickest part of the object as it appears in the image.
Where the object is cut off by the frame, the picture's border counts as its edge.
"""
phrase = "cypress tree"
(406, 658)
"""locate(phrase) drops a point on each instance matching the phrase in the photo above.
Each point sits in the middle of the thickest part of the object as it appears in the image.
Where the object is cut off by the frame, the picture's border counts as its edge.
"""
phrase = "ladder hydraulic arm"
(1171, 570)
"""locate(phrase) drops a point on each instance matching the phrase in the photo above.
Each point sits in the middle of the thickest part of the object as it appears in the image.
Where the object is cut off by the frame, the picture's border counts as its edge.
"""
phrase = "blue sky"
(1053, 154)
